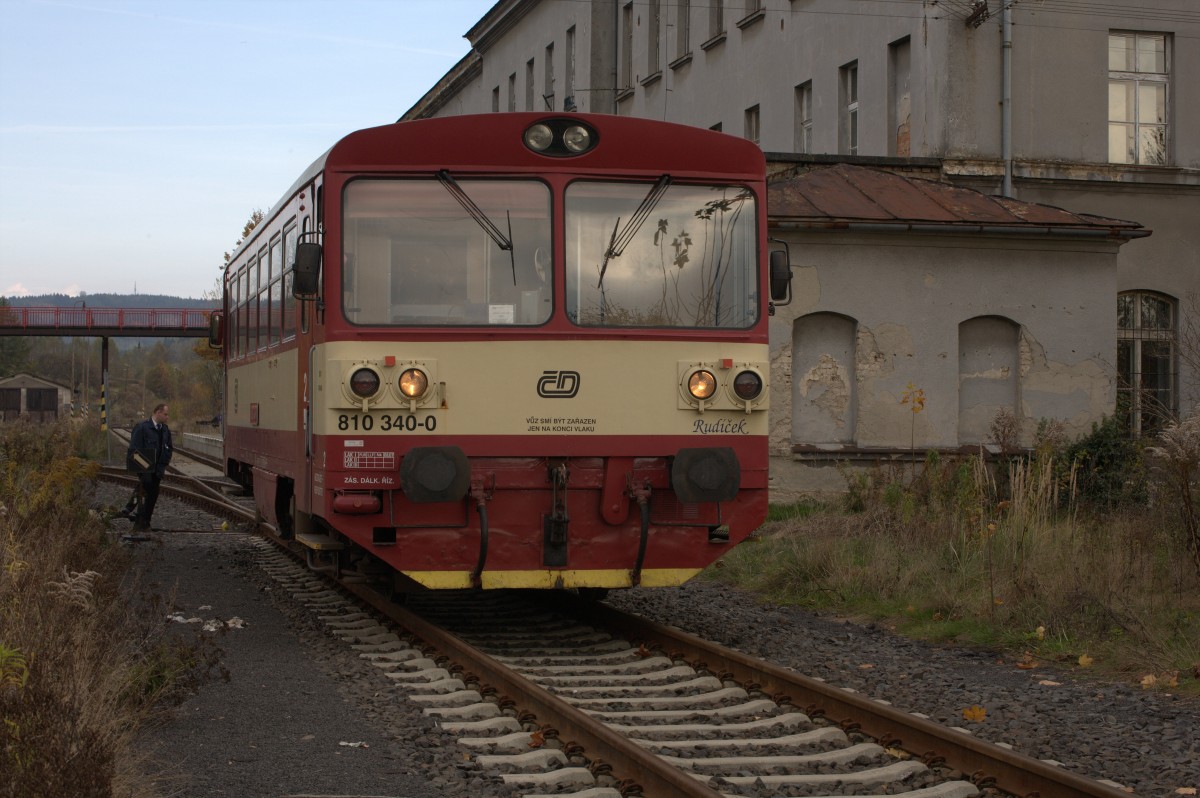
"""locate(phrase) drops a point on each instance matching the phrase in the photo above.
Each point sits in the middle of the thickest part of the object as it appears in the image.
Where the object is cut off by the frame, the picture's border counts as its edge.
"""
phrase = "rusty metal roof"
(845, 196)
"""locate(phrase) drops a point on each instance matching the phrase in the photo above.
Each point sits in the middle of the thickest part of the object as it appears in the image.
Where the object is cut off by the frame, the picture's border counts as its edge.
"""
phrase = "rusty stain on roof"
(844, 194)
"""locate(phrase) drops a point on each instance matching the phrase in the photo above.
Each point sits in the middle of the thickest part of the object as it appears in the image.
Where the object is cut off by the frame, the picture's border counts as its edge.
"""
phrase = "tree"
(14, 349)
(256, 216)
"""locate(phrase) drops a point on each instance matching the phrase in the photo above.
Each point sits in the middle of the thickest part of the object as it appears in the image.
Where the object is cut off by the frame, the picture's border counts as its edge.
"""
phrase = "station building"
(992, 203)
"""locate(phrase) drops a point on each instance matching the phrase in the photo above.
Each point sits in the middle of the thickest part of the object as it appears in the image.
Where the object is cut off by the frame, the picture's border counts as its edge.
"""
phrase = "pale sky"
(136, 136)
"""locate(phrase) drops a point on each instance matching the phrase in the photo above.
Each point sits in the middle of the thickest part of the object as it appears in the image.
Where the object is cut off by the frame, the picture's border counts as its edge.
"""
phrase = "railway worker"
(151, 441)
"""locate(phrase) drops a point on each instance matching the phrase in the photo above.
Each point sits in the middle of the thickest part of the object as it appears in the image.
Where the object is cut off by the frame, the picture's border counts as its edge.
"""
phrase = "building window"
(626, 80)
(1146, 374)
(569, 103)
(548, 78)
(752, 123)
(899, 98)
(1138, 83)
(716, 127)
(754, 13)
(653, 32)
(804, 121)
(496, 99)
(848, 127)
(683, 14)
(529, 85)
(512, 92)
(716, 18)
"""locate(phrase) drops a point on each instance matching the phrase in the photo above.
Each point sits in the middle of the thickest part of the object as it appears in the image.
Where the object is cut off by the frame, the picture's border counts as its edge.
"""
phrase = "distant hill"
(110, 301)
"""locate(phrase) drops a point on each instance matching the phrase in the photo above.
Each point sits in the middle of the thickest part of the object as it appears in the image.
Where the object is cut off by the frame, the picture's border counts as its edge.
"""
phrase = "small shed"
(927, 316)
(39, 400)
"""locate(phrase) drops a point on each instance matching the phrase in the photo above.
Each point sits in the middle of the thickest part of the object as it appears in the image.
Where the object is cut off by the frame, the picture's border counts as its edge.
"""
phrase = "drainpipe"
(616, 71)
(1006, 96)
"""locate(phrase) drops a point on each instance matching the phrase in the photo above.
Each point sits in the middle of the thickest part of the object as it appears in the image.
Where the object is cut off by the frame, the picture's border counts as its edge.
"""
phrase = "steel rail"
(985, 763)
(629, 762)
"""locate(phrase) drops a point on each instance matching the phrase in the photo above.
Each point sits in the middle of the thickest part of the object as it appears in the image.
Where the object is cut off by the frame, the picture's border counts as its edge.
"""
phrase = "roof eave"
(927, 228)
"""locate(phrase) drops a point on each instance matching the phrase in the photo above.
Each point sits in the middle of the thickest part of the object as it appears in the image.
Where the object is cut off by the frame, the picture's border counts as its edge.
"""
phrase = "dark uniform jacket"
(150, 441)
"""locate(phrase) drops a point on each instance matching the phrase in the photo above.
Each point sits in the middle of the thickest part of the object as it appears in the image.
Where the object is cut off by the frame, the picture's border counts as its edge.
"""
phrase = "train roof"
(667, 147)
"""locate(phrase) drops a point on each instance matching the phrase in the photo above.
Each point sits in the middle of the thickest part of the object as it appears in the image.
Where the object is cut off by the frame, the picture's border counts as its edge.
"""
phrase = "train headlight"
(413, 383)
(539, 137)
(702, 384)
(748, 385)
(577, 138)
(560, 138)
(364, 383)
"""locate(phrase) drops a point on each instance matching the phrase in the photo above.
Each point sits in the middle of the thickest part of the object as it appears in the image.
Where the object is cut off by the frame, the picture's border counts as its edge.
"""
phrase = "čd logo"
(558, 384)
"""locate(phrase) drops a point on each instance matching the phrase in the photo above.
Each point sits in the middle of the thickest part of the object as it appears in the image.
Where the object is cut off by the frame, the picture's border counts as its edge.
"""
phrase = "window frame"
(1138, 79)
(1142, 408)
(848, 94)
(804, 118)
(753, 124)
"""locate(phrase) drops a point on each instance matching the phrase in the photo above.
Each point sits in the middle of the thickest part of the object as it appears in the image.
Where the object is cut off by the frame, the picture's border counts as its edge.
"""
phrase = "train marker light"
(747, 385)
(702, 384)
(413, 383)
(539, 137)
(364, 383)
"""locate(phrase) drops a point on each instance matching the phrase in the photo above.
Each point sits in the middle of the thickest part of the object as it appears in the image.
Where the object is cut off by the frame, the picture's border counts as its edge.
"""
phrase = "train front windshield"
(644, 254)
(412, 254)
(661, 255)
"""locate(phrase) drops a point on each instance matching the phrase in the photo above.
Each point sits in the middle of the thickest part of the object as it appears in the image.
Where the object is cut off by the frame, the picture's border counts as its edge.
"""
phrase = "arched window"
(823, 379)
(1146, 358)
(987, 375)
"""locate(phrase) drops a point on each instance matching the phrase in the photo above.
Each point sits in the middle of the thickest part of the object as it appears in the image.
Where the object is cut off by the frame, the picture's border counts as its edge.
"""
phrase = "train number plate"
(386, 422)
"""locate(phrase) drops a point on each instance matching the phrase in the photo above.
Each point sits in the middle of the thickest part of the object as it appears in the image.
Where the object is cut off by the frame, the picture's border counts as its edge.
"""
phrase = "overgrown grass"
(1040, 557)
(80, 667)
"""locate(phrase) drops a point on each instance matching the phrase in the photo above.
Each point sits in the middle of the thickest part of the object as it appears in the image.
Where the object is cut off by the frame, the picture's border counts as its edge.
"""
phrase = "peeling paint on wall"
(1075, 394)
(829, 384)
(779, 434)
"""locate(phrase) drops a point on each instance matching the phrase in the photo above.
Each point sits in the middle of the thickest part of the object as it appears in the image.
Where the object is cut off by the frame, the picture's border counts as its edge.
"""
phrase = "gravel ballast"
(1143, 740)
(298, 706)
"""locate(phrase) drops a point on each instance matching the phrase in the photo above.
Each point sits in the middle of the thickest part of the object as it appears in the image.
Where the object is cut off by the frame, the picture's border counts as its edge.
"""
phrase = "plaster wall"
(1167, 262)
(908, 297)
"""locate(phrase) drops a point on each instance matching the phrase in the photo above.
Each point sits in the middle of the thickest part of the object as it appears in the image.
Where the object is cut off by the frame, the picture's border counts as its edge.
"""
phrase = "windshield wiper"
(622, 236)
(481, 219)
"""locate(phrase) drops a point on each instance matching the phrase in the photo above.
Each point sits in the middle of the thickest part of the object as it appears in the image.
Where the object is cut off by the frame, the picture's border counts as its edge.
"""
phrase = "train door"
(303, 500)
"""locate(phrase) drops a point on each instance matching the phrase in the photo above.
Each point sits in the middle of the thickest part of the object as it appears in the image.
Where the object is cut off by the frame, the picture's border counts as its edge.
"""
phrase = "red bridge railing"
(185, 322)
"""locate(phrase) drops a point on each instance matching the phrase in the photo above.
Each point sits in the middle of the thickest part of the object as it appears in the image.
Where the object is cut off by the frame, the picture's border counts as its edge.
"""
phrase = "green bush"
(1110, 471)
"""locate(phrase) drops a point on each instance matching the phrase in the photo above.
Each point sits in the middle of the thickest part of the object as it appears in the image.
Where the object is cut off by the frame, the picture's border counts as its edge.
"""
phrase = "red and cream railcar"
(513, 350)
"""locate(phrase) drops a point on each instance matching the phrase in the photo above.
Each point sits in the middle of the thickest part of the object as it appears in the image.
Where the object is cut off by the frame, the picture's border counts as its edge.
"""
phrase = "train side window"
(289, 261)
(249, 318)
(275, 301)
(235, 303)
(263, 313)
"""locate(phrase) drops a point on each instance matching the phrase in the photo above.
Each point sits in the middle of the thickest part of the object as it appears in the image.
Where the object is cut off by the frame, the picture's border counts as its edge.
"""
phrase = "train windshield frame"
(661, 255)
(415, 254)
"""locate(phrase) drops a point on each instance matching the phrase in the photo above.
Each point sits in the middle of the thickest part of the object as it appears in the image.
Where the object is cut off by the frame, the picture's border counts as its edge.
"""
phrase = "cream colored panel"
(549, 388)
(271, 383)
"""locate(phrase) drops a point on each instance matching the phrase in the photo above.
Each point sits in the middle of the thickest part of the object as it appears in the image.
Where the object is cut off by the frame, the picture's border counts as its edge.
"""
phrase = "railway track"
(564, 696)
(212, 492)
(571, 697)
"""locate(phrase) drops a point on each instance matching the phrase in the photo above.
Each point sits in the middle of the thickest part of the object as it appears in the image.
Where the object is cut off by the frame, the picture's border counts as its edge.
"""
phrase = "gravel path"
(300, 714)
(295, 695)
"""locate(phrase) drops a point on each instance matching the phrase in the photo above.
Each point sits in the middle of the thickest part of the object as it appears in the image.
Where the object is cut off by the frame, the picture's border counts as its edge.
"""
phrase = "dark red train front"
(528, 351)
